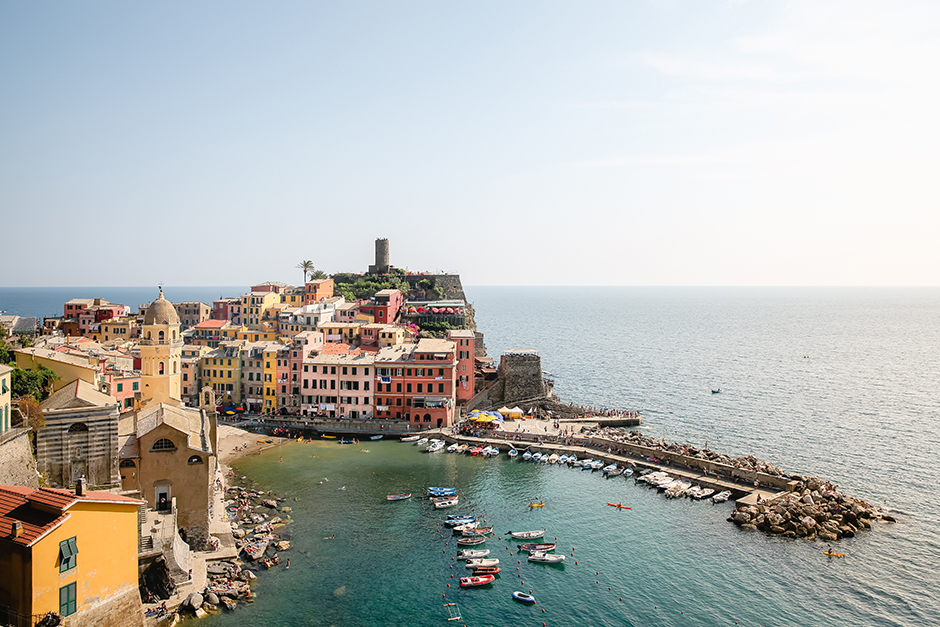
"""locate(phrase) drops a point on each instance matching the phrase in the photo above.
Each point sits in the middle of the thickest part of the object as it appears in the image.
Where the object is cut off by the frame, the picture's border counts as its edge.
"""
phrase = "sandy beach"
(232, 440)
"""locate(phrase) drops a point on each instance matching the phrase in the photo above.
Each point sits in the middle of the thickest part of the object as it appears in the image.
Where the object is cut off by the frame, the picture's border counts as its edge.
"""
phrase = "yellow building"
(258, 335)
(221, 370)
(160, 354)
(6, 397)
(345, 332)
(254, 304)
(67, 367)
(269, 374)
(118, 329)
(70, 553)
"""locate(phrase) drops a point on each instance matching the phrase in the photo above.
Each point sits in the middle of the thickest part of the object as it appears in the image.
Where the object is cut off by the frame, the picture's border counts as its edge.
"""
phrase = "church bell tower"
(161, 348)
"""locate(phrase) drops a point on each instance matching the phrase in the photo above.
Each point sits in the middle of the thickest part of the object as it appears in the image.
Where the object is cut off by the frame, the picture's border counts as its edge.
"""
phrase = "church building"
(169, 451)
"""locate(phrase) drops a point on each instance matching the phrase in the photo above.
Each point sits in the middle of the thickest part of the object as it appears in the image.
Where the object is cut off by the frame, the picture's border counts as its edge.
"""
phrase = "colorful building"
(317, 290)
(212, 332)
(416, 382)
(69, 553)
(384, 306)
(192, 313)
(221, 371)
(67, 367)
(466, 361)
(6, 398)
(253, 306)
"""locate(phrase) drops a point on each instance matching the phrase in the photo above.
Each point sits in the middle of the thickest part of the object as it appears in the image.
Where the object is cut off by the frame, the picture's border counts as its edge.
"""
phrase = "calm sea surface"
(837, 382)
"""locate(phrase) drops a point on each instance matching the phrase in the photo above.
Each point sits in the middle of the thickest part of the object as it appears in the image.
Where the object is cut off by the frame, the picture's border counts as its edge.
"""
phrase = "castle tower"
(381, 257)
(160, 352)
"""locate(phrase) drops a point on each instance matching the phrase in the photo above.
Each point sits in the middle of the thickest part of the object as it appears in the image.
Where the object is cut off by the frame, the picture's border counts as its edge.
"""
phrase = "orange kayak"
(620, 506)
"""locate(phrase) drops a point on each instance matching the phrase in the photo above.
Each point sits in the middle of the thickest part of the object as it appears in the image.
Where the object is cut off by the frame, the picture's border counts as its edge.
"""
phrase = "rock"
(808, 499)
(247, 575)
(212, 598)
(209, 608)
(238, 534)
(200, 613)
(194, 601)
(230, 605)
(741, 518)
(749, 527)
(283, 545)
(889, 518)
(777, 530)
(846, 531)
(789, 534)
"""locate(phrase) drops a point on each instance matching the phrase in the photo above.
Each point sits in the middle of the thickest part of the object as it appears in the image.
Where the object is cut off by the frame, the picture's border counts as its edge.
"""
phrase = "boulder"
(741, 518)
(230, 605)
(777, 530)
(194, 601)
(749, 527)
(212, 598)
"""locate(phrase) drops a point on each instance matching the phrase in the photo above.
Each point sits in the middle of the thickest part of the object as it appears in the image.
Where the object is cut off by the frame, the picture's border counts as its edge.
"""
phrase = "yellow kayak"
(833, 554)
(536, 504)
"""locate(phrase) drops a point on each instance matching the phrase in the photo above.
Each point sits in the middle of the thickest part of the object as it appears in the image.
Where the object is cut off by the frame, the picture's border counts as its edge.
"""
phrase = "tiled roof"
(212, 324)
(15, 505)
(78, 393)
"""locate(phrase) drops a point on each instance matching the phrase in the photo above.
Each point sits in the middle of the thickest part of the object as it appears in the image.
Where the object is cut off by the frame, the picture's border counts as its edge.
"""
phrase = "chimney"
(17, 529)
(80, 486)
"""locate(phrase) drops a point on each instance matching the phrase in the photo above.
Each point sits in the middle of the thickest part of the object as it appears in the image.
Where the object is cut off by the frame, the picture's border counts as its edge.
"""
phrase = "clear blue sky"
(627, 143)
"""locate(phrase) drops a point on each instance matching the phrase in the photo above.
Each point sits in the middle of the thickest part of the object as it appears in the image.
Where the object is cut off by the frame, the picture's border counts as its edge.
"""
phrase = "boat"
(616, 472)
(627, 472)
(454, 516)
(563, 459)
(444, 504)
(538, 504)
(678, 489)
(457, 522)
(421, 441)
(475, 581)
(512, 453)
(619, 506)
(407, 438)
(721, 497)
(398, 497)
(376, 437)
(553, 458)
(472, 554)
(440, 499)
(470, 525)
(522, 597)
(482, 563)
(471, 541)
(436, 446)
(697, 492)
(328, 437)
(609, 468)
(586, 464)
(453, 448)
(527, 455)
(462, 448)
(476, 450)
(537, 546)
(526, 535)
(476, 531)
(536, 457)
(572, 460)
(545, 558)
(597, 464)
(831, 554)
(545, 458)
(436, 491)
(490, 570)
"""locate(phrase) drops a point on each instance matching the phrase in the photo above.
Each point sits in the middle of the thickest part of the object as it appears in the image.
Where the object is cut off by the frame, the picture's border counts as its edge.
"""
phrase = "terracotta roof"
(15, 505)
(211, 324)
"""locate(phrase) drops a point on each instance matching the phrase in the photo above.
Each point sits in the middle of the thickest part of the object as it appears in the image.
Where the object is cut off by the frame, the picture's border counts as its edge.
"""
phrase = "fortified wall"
(520, 379)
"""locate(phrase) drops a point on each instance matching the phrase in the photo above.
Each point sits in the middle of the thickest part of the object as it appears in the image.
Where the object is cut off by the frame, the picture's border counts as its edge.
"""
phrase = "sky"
(515, 143)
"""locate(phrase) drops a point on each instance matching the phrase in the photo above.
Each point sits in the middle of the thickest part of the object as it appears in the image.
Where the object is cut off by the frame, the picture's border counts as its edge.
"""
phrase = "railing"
(12, 618)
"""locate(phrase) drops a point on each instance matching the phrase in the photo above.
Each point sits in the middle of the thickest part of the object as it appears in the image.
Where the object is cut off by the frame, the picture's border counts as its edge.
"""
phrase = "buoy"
(609, 588)
(576, 563)
(443, 595)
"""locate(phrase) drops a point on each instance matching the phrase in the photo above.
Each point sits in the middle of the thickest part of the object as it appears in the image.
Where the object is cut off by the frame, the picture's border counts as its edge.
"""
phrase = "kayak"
(522, 597)
(619, 506)
(536, 504)
(833, 554)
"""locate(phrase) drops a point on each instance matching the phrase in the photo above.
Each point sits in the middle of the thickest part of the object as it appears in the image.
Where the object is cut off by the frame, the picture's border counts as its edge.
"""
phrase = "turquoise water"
(840, 383)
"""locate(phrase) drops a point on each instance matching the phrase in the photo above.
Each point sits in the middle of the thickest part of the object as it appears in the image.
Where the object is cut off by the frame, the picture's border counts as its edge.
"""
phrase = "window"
(163, 444)
(365, 386)
(67, 599)
(195, 459)
(135, 386)
(398, 387)
(408, 387)
(68, 551)
(440, 388)
(160, 368)
(420, 388)
(185, 376)
(120, 387)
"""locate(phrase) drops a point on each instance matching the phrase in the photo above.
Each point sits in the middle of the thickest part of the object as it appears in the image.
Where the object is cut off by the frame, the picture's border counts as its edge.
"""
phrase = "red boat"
(495, 570)
(472, 582)
(476, 450)
(619, 506)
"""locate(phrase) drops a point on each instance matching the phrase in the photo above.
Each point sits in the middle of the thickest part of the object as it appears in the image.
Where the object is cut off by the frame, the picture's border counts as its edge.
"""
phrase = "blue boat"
(442, 491)
(527, 455)
(522, 597)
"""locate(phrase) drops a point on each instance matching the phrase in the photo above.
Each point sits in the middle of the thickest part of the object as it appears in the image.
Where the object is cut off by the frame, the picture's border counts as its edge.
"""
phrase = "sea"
(841, 383)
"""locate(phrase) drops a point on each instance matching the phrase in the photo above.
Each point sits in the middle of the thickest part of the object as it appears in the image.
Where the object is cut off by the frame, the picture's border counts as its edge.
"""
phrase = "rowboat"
(476, 450)
(471, 541)
(541, 546)
(526, 535)
(407, 438)
(619, 506)
(553, 458)
(376, 437)
(441, 499)
(462, 448)
(522, 597)
(545, 459)
(473, 582)
(597, 464)
(472, 554)
(563, 459)
(536, 457)
(453, 447)
(421, 442)
(398, 497)
(512, 453)
(609, 468)
(586, 464)
(527, 455)
(466, 526)
(477, 531)
(482, 563)
(457, 522)
(445, 504)
(545, 558)
(678, 489)
(435, 446)
(572, 460)
(616, 472)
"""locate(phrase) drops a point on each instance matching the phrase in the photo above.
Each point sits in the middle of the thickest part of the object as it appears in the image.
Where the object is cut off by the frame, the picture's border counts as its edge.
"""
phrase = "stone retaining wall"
(19, 466)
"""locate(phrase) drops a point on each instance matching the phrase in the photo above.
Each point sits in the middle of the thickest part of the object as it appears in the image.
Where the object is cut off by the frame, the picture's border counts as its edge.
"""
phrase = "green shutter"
(68, 550)
(67, 599)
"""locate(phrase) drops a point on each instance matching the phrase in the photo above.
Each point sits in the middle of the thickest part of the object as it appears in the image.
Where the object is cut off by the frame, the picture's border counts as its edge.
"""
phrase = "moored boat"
(553, 458)
(489, 570)
(471, 541)
(527, 455)
(435, 446)
(512, 453)
(398, 497)
(482, 563)
(472, 554)
(476, 531)
(407, 438)
(721, 497)
(444, 504)
(476, 450)
(545, 558)
(526, 535)
(475, 581)
(542, 547)
(522, 597)
(453, 448)
(437, 491)
(376, 437)
(421, 441)
(536, 457)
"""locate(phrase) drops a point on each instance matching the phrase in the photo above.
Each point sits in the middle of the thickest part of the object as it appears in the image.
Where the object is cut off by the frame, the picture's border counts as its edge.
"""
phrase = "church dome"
(161, 311)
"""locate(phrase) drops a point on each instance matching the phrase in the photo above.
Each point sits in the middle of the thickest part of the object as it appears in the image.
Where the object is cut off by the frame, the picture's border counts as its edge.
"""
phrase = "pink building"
(229, 309)
(466, 350)
(124, 386)
(384, 306)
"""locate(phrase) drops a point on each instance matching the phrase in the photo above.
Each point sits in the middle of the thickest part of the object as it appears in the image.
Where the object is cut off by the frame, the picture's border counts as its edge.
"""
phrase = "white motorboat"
(721, 497)
(411, 438)
(435, 446)
(553, 458)
(586, 464)
(546, 558)
(597, 464)
(453, 447)
(512, 453)
(488, 562)
(448, 503)
(698, 493)
(472, 554)
(421, 442)
(536, 457)
(466, 526)
(678, 489)
(546, 458)
(609, 468)
(572, 460)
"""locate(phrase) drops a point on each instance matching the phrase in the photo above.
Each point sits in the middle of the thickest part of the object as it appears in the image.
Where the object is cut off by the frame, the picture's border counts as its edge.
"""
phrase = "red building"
(466, 348)
(384, 306)
(417, 382)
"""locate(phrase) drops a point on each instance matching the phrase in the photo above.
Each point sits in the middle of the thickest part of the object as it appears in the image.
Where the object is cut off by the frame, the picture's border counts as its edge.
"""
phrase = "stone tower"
(160, 353)
(381, 257)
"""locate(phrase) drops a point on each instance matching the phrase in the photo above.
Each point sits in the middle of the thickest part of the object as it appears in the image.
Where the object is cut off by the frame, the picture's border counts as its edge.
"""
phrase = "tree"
(318, 274)
(31, 412)
(33, 383)
(307, 266)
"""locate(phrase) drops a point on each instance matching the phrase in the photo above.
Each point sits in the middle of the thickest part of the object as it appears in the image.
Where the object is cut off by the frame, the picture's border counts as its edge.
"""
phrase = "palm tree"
(307, 266)
(318, 274)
